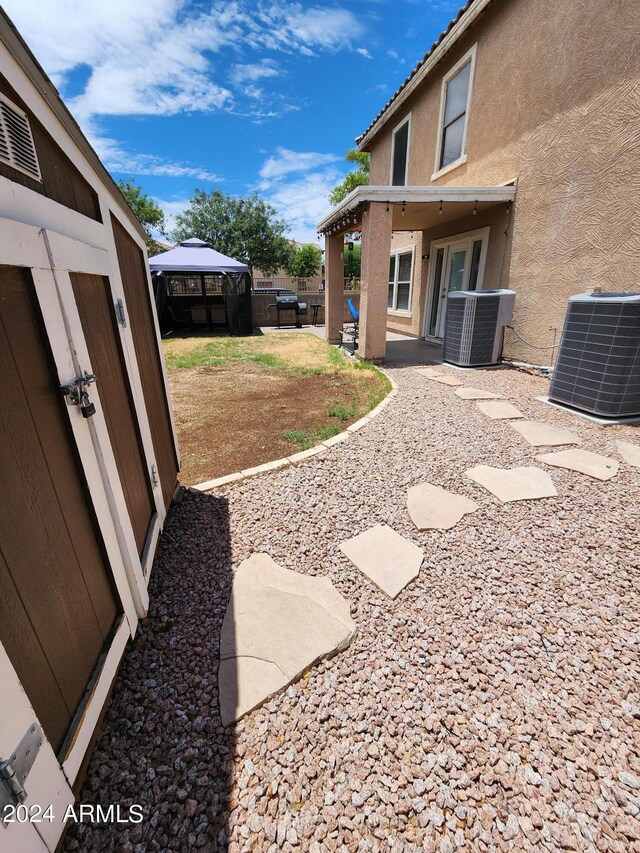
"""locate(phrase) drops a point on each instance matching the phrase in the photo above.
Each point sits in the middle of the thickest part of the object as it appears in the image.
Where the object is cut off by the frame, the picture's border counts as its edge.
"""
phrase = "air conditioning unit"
(474, 326)
(598, 364)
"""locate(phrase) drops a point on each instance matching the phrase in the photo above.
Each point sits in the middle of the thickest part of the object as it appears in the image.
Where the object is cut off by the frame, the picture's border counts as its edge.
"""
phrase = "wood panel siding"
(57, 603)
(61, 181)
(140, 311)
(95, 305)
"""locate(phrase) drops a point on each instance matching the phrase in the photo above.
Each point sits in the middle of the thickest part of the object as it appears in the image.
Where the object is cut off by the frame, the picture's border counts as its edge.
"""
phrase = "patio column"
(374, 284)
(333, 286)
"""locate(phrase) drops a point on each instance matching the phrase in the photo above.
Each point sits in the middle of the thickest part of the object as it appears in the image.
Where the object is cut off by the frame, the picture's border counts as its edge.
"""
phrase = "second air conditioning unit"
(474, 326)
(598, 365)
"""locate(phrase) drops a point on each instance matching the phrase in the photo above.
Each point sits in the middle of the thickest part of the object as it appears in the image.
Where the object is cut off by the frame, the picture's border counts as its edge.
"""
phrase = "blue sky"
(239, 96)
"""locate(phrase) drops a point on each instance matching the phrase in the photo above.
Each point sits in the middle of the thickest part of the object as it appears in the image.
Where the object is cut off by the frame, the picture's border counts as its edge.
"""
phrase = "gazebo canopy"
(195, 255)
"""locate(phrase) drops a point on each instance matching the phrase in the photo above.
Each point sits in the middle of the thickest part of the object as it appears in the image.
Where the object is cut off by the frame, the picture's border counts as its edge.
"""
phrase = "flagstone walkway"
(491, 705)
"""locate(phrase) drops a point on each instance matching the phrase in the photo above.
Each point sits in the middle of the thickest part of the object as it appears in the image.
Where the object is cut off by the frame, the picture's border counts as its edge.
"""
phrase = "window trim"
(405, 120)
(401, 312)
(483, 234)
(469, 57)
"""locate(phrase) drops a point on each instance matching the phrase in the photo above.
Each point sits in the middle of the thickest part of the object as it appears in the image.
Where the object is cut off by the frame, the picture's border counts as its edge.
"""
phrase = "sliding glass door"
(456, 264)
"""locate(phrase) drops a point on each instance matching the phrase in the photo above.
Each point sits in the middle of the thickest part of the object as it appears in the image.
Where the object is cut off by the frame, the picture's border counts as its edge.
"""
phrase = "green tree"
(247, 229)
(358, 178)
(149, 214)
(305, 261)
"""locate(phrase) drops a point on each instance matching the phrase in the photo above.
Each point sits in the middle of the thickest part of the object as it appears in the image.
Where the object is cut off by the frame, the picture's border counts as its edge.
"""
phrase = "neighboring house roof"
(21, 52)
(466, 15)
(195, 255)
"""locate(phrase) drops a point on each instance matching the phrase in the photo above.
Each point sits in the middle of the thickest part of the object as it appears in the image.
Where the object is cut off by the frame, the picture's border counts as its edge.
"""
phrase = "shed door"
(57, 603)
(134, 272)
(95, 306)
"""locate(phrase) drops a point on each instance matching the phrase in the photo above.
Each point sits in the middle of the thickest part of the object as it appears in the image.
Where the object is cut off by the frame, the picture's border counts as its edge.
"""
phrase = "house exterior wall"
(555, 105)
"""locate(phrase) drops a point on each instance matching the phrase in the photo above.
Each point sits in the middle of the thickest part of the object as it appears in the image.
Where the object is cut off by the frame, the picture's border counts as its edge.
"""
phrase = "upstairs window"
(400, 266)
(454, 110)
(400, 153)
(17, 148)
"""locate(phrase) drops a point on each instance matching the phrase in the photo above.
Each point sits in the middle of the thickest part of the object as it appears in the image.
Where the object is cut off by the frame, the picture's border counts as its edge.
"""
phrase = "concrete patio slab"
(514, 484)
(583, 461)
(630, 452)
(278, 623)
(385, 557)
(476, 394)
(434, 508)
(539, 434)
(499, 411)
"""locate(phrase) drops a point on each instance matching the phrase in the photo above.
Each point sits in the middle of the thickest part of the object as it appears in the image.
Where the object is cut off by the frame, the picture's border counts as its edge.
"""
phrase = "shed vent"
(17, 148)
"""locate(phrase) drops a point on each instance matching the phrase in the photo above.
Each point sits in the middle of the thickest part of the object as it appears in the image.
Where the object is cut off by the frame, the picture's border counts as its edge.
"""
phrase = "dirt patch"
(233, 417)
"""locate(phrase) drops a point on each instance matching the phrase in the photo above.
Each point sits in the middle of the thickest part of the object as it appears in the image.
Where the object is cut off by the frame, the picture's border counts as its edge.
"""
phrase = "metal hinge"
(121, 316)
(14, 770)
(154, 475)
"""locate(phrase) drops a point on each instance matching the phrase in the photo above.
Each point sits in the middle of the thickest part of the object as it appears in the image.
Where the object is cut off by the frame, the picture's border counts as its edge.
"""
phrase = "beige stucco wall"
(555, 105)
(409, 324)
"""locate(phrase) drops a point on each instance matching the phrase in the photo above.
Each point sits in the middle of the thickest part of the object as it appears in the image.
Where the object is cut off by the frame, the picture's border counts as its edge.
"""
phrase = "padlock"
(86, 406)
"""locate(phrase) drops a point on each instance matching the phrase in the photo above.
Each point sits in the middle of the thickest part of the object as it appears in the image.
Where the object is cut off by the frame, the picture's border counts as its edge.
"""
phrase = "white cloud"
(171, 208)
(251, 73)
(117, 159)
(298, 184)
(303, 202)
(364, 52)
(393, 54)
(285, 162)
(158, 60)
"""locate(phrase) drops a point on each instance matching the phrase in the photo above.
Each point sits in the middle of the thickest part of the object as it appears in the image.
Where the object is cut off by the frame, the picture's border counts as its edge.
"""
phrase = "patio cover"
(415, 208)
(195, 255)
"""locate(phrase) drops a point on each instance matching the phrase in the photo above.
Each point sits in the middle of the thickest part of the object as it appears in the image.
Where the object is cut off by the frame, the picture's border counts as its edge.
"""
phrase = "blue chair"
(352, 329)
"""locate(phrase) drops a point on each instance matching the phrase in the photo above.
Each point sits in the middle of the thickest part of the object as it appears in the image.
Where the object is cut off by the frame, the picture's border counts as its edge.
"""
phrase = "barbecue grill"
(289, 302)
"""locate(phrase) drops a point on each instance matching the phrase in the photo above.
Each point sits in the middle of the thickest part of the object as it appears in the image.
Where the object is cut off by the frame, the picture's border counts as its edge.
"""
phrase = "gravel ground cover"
(493, 705)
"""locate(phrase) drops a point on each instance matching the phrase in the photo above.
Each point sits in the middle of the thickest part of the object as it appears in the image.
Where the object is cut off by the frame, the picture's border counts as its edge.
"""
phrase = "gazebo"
(197, 287)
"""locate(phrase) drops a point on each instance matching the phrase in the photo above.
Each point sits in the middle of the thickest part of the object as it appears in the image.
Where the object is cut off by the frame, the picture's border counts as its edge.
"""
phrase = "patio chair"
(350, 330)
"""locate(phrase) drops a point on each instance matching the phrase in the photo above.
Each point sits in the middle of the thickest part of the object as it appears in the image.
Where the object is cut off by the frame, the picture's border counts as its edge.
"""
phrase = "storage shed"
(88, 452)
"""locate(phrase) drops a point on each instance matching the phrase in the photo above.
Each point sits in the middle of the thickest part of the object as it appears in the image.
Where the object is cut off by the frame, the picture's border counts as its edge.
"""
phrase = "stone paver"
(432, 507)
(539, 434)
(514, 484)
(446, 380)
(476, 394)
(499, 411)
(385, 557)
(583, 461)
(278, 623)
(431, 372)
(630, 452)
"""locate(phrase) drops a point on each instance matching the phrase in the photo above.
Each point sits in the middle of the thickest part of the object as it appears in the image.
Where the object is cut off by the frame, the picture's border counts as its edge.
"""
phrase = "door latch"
(77, 395)
(15, 769)
(120, 313)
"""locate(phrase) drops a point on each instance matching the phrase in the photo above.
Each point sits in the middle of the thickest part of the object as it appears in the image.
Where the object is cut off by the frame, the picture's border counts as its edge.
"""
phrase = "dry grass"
(240, 402)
